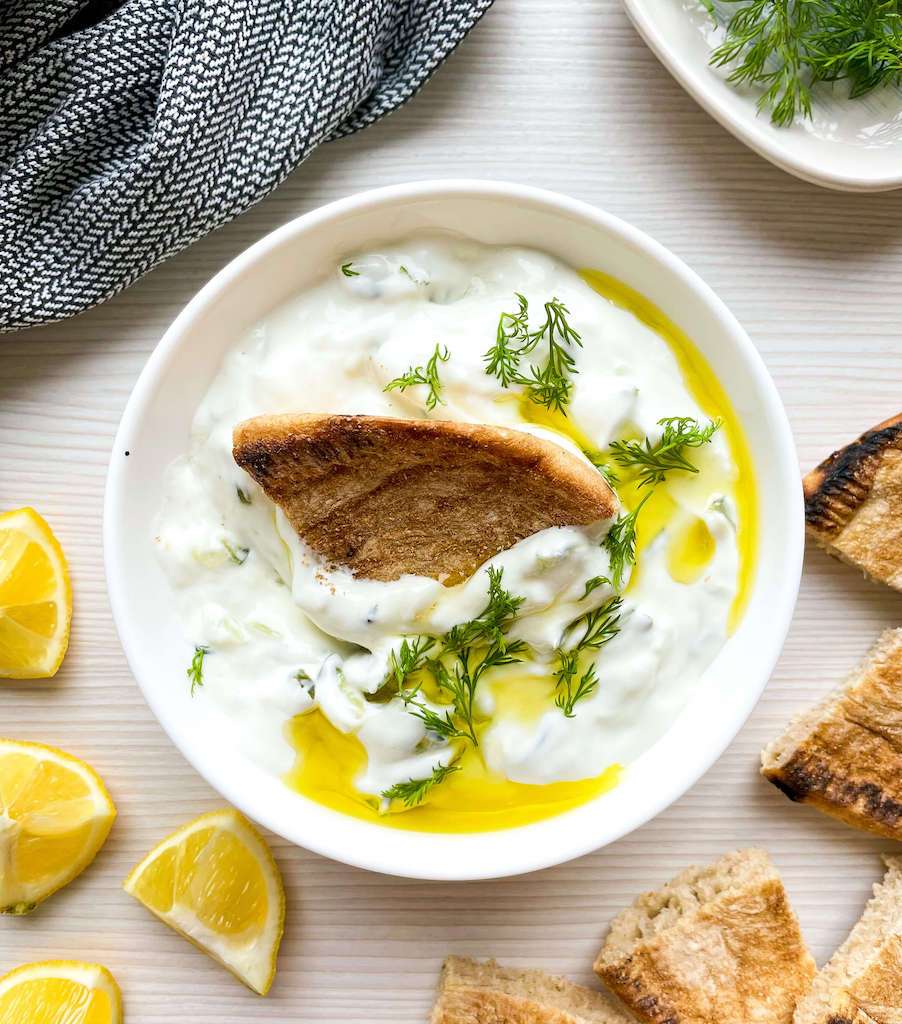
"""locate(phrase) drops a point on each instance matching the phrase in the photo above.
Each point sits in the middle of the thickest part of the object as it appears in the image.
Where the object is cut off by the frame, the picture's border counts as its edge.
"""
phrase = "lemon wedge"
(215, 882)
(60, 992)
(35, 597)
(55, 814)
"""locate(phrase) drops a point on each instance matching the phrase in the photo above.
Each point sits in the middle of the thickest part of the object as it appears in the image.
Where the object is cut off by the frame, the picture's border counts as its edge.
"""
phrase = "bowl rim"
(528, 856)
(758, 136)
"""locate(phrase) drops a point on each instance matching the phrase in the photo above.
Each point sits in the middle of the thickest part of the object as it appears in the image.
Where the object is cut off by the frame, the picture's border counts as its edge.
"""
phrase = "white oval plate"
(849, 145)
(155, 429)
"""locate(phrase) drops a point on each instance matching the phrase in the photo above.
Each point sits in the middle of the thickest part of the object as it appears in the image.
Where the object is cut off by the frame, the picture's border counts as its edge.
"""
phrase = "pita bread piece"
(487, 993)
(386, 497)
(862, 981)
(844, 755)
(716, 945)
(853, 503)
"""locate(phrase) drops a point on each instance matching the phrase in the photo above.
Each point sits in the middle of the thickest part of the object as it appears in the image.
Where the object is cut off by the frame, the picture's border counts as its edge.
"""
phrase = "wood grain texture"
(562, 94)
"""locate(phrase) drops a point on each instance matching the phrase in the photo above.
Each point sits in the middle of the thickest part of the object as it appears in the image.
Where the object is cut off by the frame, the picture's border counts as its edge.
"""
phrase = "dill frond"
(427, 375)
(415, 791)
(655, 460)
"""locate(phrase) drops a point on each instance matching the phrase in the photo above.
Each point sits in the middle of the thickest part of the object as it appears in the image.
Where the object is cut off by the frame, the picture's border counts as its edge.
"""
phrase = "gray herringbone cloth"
(130, 129)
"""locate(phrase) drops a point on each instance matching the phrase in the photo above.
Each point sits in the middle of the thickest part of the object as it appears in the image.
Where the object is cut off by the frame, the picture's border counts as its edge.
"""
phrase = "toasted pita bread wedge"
(862, 982)
(853, 503)
(716, 945)
(844, 755)
(386, 497)
(487, 993)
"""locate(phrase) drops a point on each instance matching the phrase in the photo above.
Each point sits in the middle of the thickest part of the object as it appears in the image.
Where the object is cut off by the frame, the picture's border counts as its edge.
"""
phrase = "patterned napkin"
(128, 130)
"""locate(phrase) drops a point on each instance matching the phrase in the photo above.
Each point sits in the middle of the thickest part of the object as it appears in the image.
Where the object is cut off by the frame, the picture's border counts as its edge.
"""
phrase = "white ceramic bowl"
(155, 428)
(849, 145)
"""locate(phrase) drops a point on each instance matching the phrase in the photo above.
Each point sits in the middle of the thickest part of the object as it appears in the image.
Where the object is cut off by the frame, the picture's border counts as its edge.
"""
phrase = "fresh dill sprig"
(550, 384)
(471, 649)
(655, 460)
(571, 687)
(462, 680)
(427, 375)
(442, 725)
(788, 46)
(620, 543)
(415, 791)
(492, 622)
(512, 341)
(477, 646)
(599, 626)
(409, 658)
(195, 670)
(348, 270)
(243, 496)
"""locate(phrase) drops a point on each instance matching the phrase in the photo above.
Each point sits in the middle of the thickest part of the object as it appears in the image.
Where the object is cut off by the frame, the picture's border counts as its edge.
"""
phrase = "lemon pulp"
(60, 992)
(35, 597)
(474, 799)
(55, 814)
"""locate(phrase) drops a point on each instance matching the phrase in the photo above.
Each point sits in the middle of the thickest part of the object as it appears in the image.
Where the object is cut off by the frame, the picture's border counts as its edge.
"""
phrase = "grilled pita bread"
(716, 945)
(862, 982)
(844, 756)
(487, 993)
(386, 497)
(853, 503)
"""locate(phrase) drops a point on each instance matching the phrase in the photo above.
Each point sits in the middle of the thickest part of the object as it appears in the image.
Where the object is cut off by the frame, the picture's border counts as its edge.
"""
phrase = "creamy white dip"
(280, 626)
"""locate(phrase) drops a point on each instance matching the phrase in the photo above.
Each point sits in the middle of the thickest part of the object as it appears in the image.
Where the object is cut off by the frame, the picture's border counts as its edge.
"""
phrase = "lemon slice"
(215, 882)
(60, 992)
(35, 597)
(55, 814)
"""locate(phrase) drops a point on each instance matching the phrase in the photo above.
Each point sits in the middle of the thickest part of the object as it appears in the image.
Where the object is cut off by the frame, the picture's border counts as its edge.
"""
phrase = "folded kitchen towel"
(130, 129)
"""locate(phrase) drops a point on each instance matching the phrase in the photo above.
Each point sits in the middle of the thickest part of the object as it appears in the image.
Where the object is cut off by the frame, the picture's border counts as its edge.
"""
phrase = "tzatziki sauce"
(279, 634)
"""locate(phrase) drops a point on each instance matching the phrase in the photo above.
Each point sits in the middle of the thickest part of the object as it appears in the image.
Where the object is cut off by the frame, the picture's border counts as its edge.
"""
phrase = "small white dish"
(155, 429)
(848, 145)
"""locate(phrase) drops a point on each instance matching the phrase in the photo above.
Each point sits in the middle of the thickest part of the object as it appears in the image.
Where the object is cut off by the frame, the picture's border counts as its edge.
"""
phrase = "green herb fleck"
(600, 461)
(427, 375)
(593, 584)
(348, 270)
(243, 496)
(195, 671)
(237, 553)
(408, 274)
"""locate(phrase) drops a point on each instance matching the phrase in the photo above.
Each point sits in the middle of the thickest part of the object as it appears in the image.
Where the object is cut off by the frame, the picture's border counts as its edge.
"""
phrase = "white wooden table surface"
(558, 93)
